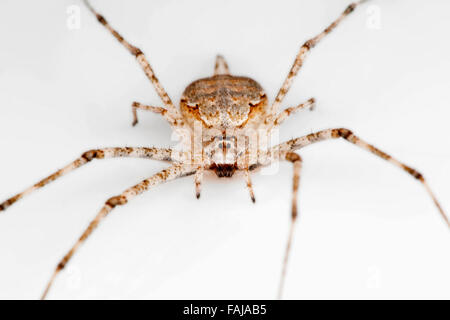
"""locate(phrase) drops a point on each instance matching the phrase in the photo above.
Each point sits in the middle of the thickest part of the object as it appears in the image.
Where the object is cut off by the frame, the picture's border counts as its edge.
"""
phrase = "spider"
(223, 122)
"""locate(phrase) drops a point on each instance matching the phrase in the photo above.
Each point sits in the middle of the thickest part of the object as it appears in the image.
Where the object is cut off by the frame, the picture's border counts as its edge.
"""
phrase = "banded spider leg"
(171, 173)
(172, 112)
(148, 153)
(301, 55)
(286, 149)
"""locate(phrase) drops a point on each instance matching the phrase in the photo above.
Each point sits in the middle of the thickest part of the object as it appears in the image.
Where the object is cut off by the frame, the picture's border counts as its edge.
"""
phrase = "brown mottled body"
(224, 102)
(219, 122)
(225, 107)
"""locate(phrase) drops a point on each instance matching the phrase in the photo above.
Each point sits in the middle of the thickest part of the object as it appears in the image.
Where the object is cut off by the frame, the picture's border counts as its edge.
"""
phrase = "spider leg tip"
(197, 195)
(3, 206)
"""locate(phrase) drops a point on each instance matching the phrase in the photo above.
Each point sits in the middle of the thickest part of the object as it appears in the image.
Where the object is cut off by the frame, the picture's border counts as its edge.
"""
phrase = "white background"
(366, 229)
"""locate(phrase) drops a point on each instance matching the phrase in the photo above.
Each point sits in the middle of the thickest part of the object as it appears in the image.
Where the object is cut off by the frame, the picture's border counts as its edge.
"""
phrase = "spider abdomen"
(223, 101)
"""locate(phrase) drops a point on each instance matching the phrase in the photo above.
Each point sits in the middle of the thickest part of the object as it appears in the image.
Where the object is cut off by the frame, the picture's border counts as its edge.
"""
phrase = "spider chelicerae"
(224, 123)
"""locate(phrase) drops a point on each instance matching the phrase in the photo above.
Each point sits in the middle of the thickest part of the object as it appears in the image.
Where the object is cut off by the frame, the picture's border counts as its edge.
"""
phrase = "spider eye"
(220, 145)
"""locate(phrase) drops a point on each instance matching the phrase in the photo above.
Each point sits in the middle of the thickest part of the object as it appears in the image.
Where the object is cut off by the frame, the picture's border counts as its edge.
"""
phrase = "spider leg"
(297, 163)
(249, 185)
(305, 48)
(149, 153)
(141, 60)
(346, 134)
(173, 172)
(136, 105)
(283, 115)
(221, 66)
(198, 179)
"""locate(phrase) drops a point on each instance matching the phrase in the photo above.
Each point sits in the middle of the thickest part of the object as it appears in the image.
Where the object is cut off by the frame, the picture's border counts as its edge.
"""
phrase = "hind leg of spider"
(162, 111)
(173, 172)
(297, 163)
(346, 134)
(305, 48)
(143, 62)
(149, 153)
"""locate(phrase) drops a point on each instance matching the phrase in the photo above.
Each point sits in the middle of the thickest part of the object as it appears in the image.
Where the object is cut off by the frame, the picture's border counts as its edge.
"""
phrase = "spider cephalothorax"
(224, 122)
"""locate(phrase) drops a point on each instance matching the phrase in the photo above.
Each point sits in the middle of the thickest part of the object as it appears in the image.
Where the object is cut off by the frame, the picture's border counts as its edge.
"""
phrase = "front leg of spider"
(106, 153)
(171, 173)
(296, 161)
